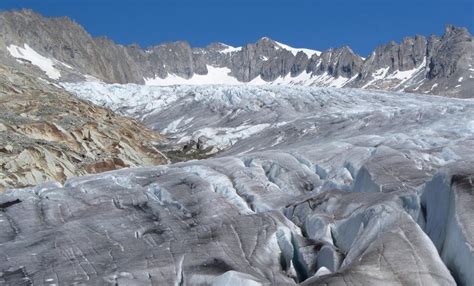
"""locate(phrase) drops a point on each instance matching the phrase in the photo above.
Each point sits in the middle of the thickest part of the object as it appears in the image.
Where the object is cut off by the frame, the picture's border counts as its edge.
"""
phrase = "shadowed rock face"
(435, 65)
(46, 134)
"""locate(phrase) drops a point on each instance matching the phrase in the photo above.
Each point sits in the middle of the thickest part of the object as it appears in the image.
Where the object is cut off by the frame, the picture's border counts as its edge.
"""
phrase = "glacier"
(304, 185)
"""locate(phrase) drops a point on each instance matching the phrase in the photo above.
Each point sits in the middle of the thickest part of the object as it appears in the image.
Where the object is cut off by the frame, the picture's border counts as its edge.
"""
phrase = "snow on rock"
(215, 75)
(294, 51)
(305, 79)
(44, 63)
(377, 75)
(230, 49)
(218, 76)
(396, 79)
(405, 75)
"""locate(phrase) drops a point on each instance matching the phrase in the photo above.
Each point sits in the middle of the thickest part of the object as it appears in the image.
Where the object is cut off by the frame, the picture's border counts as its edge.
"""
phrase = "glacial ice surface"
(336, 187)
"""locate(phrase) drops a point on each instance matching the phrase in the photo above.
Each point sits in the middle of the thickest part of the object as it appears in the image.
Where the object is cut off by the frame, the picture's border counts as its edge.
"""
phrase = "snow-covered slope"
(214, 75)
(30, 55)
(295, 51)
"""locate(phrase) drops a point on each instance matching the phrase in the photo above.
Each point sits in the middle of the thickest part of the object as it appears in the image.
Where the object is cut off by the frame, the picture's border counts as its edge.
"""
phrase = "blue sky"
(362, 24)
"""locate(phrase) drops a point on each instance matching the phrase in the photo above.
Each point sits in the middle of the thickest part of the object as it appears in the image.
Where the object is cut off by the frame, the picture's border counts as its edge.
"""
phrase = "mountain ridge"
(435, 65)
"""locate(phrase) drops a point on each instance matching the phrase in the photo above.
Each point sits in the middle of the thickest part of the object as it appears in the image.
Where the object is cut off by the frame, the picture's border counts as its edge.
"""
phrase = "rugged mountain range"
(436, 65)
(295, 184)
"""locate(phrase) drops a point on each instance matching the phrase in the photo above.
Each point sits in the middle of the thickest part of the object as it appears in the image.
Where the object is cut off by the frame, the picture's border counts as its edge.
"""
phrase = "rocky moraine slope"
(47, 134)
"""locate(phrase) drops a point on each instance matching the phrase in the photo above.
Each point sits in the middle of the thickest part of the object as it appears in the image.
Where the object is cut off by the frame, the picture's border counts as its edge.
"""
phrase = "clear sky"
(361, 24)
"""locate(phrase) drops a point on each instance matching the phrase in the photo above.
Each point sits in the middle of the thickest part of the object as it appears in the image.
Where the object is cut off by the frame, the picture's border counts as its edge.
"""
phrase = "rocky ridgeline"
(46, 134)
(436, 65)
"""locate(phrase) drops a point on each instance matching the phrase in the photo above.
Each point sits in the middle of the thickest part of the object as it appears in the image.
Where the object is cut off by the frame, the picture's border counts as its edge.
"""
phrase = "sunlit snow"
(45, 64)
(295, 51)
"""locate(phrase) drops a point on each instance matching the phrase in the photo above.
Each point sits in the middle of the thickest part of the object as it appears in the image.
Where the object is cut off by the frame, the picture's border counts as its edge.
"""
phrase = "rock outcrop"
(47, 134)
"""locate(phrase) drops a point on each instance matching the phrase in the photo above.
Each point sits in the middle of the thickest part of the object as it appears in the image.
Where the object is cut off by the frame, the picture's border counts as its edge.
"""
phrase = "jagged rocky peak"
(54, 36)
(215, 47)
(338, 62)
(455, 45)
(410, 53)
(453, 31)
(177, 58)
(300, 63)
(435, 65)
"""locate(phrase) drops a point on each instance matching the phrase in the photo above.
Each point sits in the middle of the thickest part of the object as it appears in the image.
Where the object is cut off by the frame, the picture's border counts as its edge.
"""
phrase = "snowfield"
(28, 54)
(306, 186)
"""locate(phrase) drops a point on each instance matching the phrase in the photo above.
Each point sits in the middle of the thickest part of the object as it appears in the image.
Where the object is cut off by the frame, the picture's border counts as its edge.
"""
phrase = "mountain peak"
(451, 30)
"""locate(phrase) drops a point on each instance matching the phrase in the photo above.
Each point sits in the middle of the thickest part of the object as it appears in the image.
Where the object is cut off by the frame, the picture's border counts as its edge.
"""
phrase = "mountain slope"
(435, 65)
(46, 134)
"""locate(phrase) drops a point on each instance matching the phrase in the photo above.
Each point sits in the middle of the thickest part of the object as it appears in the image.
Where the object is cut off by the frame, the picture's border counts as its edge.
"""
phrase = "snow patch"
(305, 79)
(377, 75)
(45, 64)
(215, 75)
(230, 49)
(295, 51)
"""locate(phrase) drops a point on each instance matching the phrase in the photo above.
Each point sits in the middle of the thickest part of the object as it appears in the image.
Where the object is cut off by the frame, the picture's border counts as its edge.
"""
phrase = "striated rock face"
(46, 134)
(435, 65)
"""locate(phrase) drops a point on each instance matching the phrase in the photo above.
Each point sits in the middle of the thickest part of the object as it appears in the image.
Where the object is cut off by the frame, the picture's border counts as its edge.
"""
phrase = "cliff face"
(435, 65)
(46, 134)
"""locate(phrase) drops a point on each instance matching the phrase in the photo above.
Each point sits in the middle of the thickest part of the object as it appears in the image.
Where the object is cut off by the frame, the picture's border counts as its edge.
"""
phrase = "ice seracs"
(310, 186)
